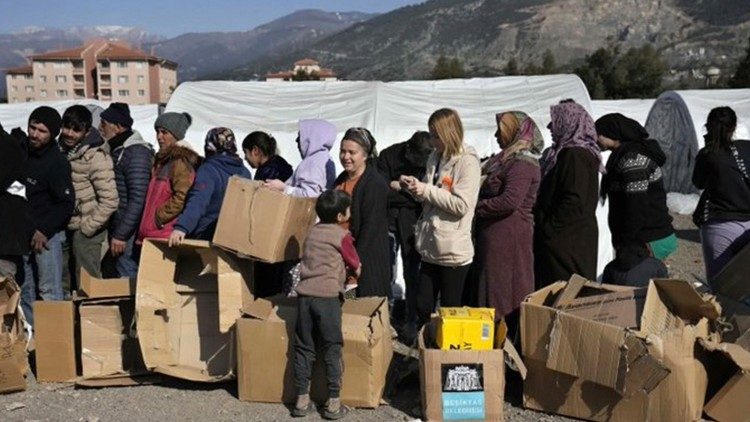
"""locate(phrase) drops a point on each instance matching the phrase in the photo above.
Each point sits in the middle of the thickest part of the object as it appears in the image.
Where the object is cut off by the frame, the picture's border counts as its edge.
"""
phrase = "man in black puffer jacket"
(14, 238)
(132, 158)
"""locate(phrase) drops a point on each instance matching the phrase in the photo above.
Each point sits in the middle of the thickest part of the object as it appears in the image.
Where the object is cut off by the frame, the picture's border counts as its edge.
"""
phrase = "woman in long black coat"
(566, 234)
(369, 219)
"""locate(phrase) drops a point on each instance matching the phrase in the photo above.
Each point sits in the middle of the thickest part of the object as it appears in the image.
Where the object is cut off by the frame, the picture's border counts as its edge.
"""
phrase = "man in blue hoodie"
(201, 213)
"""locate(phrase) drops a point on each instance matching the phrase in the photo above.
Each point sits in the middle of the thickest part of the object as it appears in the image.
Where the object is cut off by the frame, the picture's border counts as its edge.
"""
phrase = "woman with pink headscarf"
(504, 219)
(566, 234)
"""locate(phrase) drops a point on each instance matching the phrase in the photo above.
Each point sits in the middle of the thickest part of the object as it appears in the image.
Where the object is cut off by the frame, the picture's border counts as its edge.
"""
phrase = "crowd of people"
(83, 190)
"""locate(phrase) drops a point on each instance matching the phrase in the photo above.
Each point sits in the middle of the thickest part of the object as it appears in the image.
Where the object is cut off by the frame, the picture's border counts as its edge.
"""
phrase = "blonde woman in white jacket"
(449, 195)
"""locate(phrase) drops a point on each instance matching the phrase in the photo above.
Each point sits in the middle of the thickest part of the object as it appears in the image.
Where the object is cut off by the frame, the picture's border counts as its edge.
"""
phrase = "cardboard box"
(187, 301)
(463, 384)
(265, 353)
(466, 328)
(728, 367)
(90, 341)
(600, 371)
(91, 286)
(13, 357)
(264, 224)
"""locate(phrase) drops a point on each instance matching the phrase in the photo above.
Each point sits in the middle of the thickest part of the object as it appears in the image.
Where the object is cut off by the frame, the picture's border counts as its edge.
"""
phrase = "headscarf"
(521, 138)
(632, 137)
(571, 127)
(363, 138)
(220, 140)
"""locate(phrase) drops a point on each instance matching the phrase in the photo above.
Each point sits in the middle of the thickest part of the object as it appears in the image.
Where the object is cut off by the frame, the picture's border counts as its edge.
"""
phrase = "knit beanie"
(49, 117)
(118, 113)
(176, 123)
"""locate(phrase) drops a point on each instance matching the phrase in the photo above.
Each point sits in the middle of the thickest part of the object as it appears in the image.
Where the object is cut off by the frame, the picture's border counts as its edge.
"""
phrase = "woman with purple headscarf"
(566, 234)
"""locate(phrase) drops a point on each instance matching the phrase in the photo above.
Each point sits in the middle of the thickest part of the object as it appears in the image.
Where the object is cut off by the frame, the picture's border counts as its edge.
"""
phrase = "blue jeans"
(42, 274)
(125, 265)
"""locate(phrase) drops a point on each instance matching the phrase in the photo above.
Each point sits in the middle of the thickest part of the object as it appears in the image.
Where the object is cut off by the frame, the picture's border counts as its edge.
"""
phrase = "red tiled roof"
(306, 62)
(23, 70)
(72, 53)
(279, 75)
(115, 51)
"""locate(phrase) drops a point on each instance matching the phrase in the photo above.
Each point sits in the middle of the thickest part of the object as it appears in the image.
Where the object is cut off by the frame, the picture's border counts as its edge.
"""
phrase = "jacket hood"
(228, 163)
(177, 152)
(315, 136)
(136, 139)
(92, 140)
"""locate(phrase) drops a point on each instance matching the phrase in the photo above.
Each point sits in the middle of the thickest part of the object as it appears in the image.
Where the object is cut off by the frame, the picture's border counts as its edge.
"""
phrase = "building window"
(122, 79)
(106, 92)
(122, 64)
(123, 93)
(78, 79)
(43, 93)
(79, 93)
(58, 65)
(61, 79)
(139, 65)
(106, 79)
(62, 92)
(141, 79)
(104, 64)
(28, 88)
(28, 77)
(43, 79)
(141, 92)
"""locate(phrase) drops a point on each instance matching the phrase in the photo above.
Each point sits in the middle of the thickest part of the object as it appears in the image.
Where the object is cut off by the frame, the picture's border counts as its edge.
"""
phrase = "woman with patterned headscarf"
(504, 219)
(198, 218)
(566, 234)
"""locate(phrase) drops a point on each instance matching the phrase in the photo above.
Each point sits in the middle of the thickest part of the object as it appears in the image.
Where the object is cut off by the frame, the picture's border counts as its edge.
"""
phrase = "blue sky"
(170, 17)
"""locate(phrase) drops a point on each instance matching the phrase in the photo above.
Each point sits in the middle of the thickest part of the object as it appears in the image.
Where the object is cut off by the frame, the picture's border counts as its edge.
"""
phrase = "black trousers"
(318, 326)
(434, 280)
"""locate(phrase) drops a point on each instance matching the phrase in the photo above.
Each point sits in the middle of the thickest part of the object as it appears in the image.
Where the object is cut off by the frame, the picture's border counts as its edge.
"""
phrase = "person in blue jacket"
(201, 212)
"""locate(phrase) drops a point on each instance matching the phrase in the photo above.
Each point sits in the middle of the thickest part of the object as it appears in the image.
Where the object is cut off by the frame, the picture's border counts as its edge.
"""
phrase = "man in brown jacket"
(95, 190)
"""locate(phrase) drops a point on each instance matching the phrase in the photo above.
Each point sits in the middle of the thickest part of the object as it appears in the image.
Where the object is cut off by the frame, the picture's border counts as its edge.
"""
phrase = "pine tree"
(511, 69)
(549, 66)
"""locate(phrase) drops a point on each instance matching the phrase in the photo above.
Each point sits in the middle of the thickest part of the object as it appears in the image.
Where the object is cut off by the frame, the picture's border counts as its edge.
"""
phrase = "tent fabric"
(392, 111)
(670, 123)
(677, 119)
(636, 109)
(17, 115)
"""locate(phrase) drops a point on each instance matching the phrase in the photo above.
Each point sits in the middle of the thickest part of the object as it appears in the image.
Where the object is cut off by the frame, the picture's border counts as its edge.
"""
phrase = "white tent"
(17, 115)
(636, 109)
(392, 111)
(677, 121)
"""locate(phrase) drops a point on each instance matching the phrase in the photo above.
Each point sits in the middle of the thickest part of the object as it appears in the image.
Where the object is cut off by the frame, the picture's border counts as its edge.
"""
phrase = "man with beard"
(51, 199)
(95, 189)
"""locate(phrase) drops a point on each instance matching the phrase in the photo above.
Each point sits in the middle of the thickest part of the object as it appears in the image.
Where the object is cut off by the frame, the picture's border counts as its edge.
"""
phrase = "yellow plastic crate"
(466, 328)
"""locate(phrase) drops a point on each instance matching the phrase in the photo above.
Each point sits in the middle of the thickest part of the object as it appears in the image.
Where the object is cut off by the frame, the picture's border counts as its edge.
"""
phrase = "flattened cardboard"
(13, 357)
(728, 366)
(460, 384)
(570, 292)
(92, 287)
(732, 280)
(55, 341)
(264, 224)
(621, 309)
(674, 316)
(265, 354)
(179, 314)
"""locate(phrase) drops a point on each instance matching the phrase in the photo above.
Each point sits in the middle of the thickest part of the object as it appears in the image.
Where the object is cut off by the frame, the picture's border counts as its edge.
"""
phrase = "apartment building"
(100, 69)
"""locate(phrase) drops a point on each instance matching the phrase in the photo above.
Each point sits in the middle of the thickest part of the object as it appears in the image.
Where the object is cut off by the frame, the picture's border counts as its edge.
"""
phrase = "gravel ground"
(177, 400)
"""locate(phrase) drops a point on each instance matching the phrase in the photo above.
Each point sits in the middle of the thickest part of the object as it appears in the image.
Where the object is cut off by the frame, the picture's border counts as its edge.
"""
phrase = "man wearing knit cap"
(132, 158)
(171, 178)
(51, 200)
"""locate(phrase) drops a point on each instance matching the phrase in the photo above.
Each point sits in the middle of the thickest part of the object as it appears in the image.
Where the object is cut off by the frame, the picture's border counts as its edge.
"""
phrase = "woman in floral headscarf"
(504, 220)
(565, 232)
(201, 212)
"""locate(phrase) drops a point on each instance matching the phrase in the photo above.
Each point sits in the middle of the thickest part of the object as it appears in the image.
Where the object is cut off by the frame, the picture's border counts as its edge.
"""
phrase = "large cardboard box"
(461, 384)
(728, 367)
(13, 358)
(187, 300)
(604, 371)
(264, 224)
(265, 355)
(90, 340)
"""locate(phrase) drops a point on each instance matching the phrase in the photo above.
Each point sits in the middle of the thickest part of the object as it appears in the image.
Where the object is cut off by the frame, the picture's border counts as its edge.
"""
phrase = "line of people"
(469, 231)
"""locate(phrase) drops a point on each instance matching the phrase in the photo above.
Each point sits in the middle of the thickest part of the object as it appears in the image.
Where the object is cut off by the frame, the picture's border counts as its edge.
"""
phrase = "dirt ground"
(177, 400)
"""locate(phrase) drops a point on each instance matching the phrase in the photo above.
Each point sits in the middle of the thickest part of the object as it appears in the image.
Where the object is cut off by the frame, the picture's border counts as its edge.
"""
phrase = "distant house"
(100, 69)
(304, 70)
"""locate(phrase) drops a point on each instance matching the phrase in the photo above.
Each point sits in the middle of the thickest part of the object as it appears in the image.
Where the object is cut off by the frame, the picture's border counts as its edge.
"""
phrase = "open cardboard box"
(728, 367)
(90, 340)
(261, 223)
(613, 370)
(14, 362)
(265, 356)
(463, 384)
(188, 299)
